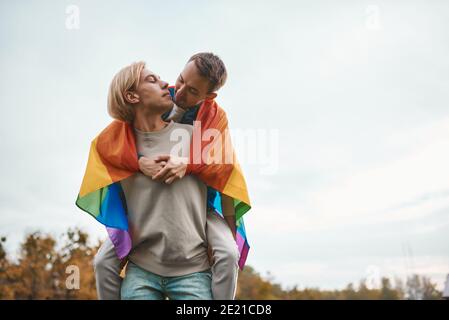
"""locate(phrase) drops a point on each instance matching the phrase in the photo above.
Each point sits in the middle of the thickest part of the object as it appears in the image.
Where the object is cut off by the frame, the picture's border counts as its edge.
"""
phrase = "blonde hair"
(126, 79)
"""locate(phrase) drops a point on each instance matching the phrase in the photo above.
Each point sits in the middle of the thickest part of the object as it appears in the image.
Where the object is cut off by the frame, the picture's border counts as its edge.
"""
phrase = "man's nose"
(164, 85)
(180, 91)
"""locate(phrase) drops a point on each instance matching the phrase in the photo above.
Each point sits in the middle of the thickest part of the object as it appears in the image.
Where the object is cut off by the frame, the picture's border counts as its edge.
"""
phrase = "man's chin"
(180, 104)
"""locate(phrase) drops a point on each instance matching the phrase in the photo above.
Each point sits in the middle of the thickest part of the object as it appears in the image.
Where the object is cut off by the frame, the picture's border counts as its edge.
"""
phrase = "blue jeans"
(140, 284)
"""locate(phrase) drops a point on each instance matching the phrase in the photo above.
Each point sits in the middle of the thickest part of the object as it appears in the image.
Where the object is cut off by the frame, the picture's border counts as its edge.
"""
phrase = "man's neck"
(148, 122)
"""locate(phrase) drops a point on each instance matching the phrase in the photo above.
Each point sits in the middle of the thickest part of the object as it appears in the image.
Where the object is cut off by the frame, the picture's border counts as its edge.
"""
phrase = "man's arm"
(165, 168)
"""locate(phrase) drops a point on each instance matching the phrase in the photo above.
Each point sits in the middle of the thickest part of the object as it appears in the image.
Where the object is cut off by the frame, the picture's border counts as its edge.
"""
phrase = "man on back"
(167, 223)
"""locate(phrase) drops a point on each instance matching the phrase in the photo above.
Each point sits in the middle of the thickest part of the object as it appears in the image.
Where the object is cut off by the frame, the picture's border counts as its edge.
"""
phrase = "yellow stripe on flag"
(96, 176)
(236, 186)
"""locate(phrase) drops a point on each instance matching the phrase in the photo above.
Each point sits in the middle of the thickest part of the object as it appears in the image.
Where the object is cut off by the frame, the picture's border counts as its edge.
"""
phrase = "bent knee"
(101, 263)
(228, 254)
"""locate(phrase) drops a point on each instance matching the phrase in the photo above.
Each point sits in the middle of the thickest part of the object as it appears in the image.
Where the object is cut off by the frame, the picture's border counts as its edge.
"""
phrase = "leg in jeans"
(194, 286)
(226, 257)
(140, 284)
(107, 272)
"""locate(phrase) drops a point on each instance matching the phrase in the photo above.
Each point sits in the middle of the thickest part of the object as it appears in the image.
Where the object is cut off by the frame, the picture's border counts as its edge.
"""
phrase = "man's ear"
(211, 96)
(131, 97)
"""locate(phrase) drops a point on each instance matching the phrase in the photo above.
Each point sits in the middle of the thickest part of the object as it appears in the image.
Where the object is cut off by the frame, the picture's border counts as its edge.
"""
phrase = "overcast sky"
(357, 95)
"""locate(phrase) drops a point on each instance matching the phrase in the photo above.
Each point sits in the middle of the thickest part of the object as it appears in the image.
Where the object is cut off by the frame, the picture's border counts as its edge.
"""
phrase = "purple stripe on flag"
(243, 246)
(240, 240)
(243, 256)
(121, 240)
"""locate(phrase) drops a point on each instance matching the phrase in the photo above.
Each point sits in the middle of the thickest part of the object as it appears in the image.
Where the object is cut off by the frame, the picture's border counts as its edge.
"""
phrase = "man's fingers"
(170, 180)
(168, 175)
(161, 173)
(176, 176)
(163, 157)
(144, 159)
(143, 162)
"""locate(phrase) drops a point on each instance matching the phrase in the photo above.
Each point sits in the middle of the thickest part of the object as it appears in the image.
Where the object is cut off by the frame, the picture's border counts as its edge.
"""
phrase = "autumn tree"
(45, 272)
(421, 288)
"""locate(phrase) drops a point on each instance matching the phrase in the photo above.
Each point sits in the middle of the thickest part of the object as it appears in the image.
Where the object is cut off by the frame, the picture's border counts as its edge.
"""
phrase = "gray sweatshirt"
(167, 222)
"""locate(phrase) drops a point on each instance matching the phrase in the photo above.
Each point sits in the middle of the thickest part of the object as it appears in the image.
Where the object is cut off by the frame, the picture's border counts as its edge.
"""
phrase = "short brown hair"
(212, 68)
(126, 79)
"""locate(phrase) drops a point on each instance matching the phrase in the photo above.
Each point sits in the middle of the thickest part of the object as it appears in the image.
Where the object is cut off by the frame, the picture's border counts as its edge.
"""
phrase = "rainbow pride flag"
(113, 157)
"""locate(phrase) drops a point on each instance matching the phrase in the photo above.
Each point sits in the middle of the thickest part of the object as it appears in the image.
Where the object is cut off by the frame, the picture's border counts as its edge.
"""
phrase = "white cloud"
(410, 187)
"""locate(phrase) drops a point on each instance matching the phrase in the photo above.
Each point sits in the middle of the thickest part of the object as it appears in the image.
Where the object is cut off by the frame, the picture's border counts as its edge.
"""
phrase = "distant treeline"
(50, 269)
